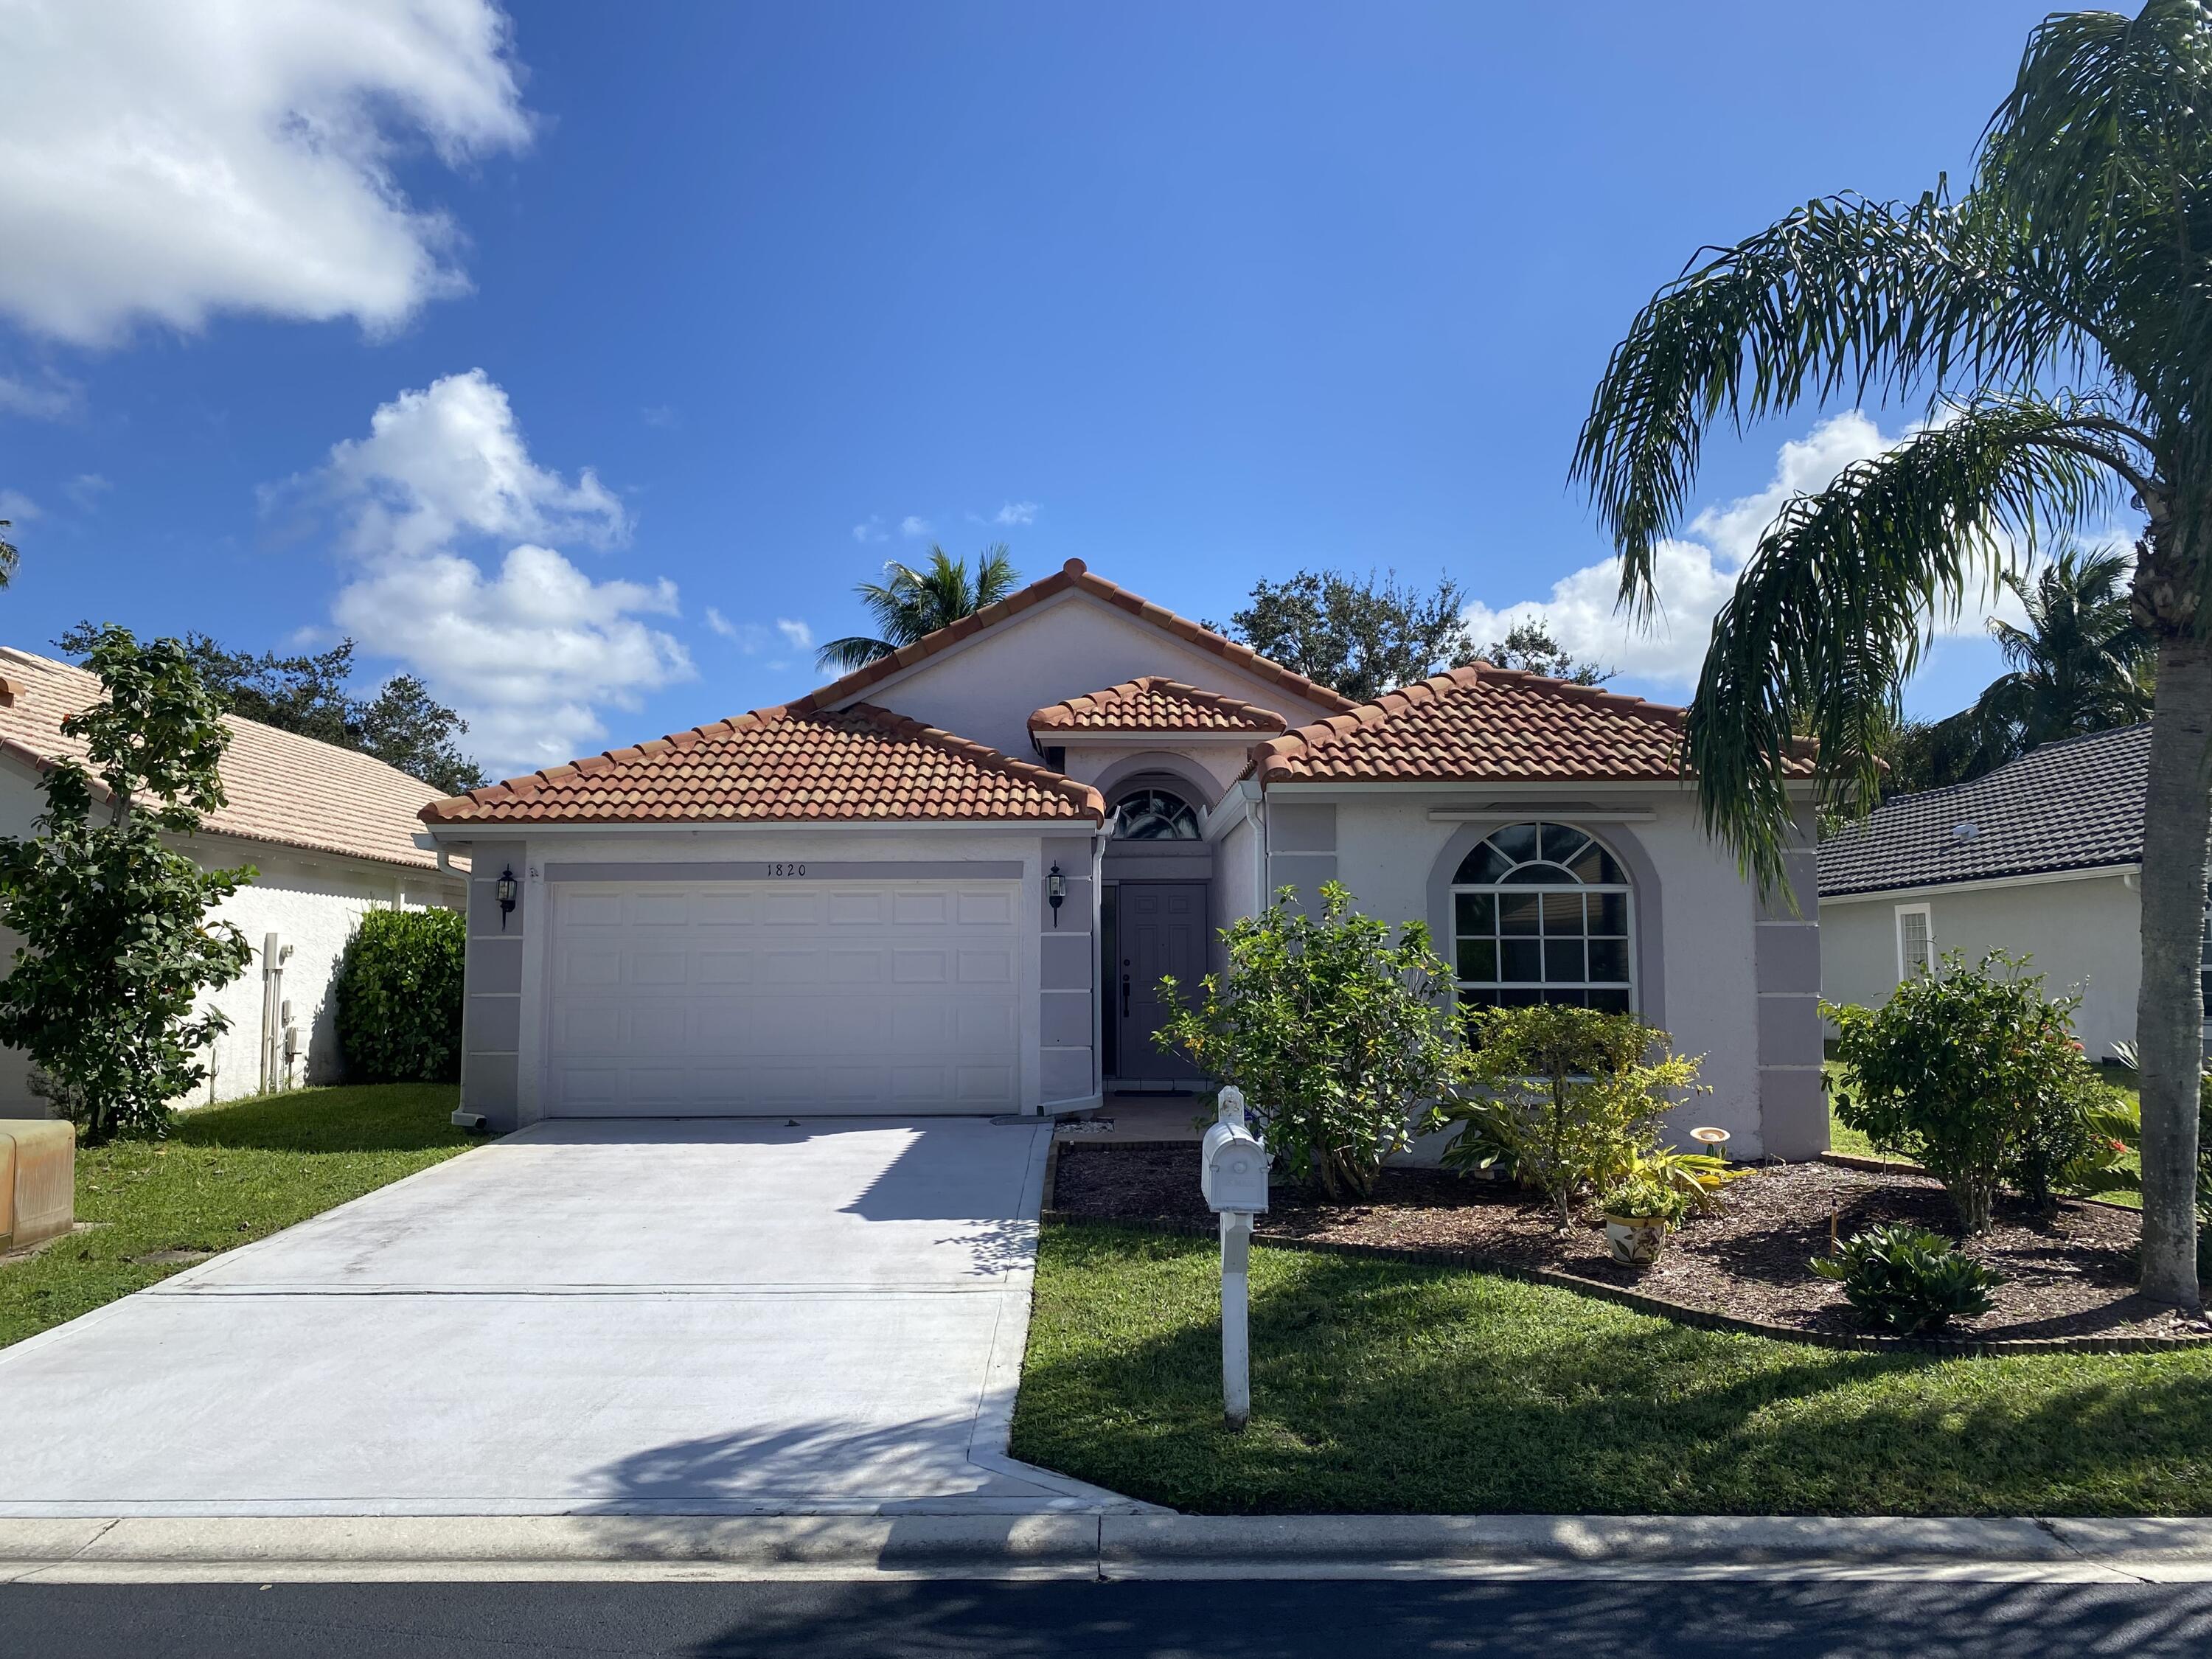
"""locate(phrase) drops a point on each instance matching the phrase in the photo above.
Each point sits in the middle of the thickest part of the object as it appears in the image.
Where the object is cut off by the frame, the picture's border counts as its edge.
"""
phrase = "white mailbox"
(1233, 1173)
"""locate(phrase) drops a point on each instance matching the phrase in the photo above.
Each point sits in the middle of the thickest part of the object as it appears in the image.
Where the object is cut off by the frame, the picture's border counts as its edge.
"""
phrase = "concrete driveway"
(667, 1316)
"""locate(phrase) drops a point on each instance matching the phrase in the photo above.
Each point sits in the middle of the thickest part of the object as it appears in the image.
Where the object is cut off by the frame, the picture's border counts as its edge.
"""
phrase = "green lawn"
(227, 1175)
(1379, 1387)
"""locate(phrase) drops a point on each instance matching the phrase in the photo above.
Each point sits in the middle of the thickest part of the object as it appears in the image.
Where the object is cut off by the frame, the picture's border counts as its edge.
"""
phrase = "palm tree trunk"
(2170, 1007)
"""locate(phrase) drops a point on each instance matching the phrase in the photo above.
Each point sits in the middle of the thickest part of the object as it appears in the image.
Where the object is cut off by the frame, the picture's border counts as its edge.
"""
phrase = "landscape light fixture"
(503, 890)
(1055, 892)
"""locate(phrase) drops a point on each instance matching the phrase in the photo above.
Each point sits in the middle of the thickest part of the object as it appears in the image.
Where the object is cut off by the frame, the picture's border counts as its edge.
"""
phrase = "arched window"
(1155, 815)
(1539, 913)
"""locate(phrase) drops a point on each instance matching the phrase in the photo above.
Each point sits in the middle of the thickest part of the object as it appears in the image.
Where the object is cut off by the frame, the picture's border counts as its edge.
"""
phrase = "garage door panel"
(853, 996)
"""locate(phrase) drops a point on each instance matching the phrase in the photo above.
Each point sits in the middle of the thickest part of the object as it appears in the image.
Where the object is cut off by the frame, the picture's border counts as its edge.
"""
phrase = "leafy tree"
(1565, 1100)
(8, 554)
(403, 726)
(1342, 1040)
(117, 944)
(1361, 637)
(1970, 1073)
(911, 603)
(1529, 645)
(2057, 317)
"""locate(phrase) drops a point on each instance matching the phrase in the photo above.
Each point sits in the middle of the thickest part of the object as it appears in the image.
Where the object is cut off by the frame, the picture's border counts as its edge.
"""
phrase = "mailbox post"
(1233, 1175)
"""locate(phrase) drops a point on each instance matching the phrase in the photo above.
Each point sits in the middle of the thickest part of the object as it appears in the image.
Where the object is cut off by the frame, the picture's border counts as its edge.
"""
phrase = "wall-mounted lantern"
(503, 890)
(1055, 892)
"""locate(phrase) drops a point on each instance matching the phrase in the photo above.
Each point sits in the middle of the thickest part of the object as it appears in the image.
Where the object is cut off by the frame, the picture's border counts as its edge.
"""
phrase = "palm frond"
(853, 651)
(1831, 613)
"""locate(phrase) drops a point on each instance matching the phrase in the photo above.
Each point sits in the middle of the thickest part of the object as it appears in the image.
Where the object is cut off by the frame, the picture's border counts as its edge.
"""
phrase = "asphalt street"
(1154, 1620)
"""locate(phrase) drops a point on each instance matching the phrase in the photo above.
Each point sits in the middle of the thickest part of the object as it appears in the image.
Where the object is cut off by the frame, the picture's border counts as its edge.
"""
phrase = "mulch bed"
(2069, 1276)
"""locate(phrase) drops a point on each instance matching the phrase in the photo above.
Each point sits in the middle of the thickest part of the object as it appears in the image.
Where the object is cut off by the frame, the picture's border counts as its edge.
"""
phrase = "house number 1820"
(786, 869)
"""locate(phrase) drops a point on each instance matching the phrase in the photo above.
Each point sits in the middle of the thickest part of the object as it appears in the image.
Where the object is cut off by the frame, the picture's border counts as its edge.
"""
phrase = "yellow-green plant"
(1563, 1097)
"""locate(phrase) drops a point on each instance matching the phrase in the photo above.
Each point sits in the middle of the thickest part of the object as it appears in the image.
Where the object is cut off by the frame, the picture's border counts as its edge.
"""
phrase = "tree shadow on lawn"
(388, 1117)
(1386, 1388)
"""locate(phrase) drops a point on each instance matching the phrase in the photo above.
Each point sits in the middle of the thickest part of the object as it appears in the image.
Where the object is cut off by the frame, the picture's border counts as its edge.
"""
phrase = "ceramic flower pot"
(1636, 1240)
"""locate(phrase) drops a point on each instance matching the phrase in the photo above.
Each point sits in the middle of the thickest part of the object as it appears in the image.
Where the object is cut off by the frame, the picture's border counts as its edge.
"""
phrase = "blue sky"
(307, 325)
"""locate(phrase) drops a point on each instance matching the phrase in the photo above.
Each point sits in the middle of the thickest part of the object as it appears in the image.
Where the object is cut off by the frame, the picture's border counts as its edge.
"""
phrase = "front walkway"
(657, 1317)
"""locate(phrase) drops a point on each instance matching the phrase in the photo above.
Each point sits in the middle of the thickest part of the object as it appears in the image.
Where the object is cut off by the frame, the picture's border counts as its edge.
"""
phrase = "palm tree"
(2059, 318)
(2082, 664)
(908, 604)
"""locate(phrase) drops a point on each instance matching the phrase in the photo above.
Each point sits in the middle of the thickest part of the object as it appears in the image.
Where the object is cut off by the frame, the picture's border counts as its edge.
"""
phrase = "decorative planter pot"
(1636, 1240)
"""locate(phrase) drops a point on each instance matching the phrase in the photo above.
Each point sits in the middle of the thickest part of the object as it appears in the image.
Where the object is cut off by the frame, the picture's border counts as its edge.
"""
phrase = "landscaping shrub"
(399, 990)
(1563, 1098)
(1908, 1281)
(2063, 1144)
(1644, 1198)
(1342, 1040)
(1964, 1071)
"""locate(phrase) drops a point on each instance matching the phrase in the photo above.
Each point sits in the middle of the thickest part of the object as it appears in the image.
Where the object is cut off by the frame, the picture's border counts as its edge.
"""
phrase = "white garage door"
(772, 996)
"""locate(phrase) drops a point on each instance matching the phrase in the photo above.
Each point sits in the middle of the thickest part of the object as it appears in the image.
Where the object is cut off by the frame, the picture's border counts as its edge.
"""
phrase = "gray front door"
(1162, 931)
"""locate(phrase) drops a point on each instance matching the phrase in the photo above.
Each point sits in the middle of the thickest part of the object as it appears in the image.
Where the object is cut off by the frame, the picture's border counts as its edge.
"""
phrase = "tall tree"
(909, 603)
(1529, 645)
(8, 554)
(2057, 315)
(402, 724)
(116, 940)
(1359, 636)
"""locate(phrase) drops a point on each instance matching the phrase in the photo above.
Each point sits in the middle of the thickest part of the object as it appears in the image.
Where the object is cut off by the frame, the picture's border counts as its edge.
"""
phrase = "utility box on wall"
(38, 1179)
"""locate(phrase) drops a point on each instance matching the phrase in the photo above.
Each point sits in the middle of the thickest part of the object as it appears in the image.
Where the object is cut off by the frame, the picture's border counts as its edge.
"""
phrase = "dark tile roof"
(2072, 806)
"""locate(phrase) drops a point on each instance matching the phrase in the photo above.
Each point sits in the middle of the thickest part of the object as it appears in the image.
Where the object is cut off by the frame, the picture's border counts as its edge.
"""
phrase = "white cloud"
(870, 531)
(52, 397)
(1016, 512)
(85, 491)
(17, 507)
(528, 655)
(913, 525)
(720, 623)
(660, 415)
(800, 636)
(1695, 573)
(166, 162)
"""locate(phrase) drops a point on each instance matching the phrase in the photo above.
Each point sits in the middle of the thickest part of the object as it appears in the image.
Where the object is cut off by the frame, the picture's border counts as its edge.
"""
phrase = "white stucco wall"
(988, 687)
(2084, 936)
(311, 902)
(1387, 849)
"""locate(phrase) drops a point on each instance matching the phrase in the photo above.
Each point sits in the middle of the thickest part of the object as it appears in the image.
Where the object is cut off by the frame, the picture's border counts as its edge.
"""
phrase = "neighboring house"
(331, 834)
(2040, 858)
(847, 904)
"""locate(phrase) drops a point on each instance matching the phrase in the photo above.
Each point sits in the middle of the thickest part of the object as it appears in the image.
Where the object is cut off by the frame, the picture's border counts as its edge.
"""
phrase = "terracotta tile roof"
(857, 763)
(2074, 804)
(1155, 704)
(1074, 575)
(283, 788)
(1483, 725)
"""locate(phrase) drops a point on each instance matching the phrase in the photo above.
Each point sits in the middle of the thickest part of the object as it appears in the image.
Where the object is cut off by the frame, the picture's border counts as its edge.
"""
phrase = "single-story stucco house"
(331, 832)
(948, 882)
(2040, 858)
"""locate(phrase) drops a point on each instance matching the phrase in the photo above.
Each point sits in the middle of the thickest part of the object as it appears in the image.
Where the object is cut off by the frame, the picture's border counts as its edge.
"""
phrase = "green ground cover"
(225, 1175)
(1380, 1387)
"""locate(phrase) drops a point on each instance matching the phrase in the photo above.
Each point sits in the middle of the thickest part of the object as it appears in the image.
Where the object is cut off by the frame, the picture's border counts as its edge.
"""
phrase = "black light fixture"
(503, 890)
(1055, 892)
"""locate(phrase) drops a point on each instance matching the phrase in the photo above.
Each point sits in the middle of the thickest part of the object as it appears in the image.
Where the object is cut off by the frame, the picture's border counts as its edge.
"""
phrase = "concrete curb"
(1092, 1547)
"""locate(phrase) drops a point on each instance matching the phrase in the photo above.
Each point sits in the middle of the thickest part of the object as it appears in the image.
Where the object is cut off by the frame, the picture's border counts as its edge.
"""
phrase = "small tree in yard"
(1342, 1040)
(398, 995)
(117, 944)
(1971, 1074)
(1565, 1099)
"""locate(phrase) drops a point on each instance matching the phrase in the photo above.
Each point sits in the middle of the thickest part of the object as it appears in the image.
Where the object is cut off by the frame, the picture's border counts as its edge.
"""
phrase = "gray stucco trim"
(802, 869)
(491, 1006)
(1646, 898)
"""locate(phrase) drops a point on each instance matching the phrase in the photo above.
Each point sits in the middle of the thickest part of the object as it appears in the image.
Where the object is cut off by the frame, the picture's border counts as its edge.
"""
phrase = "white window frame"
(1927, 916)
(1633, 985)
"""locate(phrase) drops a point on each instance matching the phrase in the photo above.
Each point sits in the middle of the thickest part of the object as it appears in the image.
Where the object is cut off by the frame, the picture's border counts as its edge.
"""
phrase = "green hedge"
(398, 992)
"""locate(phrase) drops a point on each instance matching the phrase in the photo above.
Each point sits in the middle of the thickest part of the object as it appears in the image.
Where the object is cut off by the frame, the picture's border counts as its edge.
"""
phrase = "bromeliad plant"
(1908, 1281)
(1342, 1038)
(1564, 1098)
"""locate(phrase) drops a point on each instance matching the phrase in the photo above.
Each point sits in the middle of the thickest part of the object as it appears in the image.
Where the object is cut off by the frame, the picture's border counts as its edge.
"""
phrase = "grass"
(1379, 1387)
(225, 1175)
